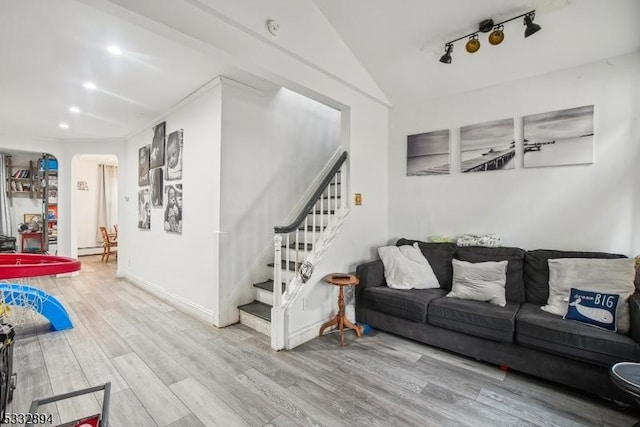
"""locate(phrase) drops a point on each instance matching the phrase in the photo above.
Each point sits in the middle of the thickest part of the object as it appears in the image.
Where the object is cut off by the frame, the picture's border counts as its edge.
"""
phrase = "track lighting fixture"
(495, 38)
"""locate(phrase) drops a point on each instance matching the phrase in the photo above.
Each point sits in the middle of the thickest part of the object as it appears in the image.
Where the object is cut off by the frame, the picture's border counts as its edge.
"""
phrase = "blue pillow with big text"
(595, 308)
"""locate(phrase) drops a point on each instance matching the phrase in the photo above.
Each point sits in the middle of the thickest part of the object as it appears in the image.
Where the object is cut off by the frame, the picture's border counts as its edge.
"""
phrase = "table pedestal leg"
(341, 320)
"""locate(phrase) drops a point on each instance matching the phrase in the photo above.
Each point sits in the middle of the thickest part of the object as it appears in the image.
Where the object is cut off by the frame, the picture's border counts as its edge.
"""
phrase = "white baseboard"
(174, 300)
(90, 251)
(303, 335)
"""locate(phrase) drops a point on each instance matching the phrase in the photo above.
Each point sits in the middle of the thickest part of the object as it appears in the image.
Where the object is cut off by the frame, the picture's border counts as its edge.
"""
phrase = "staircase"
(297, 248)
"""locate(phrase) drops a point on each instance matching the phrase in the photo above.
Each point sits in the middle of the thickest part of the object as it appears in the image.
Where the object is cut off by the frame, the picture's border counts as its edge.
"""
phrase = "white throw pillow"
(406, 268)
(610, 276)
(480, 281)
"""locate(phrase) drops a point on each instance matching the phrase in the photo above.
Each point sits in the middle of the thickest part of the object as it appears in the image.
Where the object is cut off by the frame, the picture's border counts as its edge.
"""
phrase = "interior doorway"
(96, 200)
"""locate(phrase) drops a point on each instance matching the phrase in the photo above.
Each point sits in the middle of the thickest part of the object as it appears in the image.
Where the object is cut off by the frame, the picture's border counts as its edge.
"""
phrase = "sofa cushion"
(408, 304)
(536, 270)
(514, 289)
(538, 329)
(439, 256)
(480, 319)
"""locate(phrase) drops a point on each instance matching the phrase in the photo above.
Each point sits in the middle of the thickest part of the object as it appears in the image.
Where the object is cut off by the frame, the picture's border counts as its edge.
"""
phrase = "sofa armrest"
(634, 312)
(370, 274)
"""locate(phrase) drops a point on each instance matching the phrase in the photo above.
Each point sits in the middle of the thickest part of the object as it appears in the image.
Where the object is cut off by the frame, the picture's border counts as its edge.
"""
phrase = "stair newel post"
(278, 324)
(277, 270)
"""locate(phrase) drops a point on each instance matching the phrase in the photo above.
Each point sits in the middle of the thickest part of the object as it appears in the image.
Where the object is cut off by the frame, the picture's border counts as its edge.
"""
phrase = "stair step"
(318, 228)
(258, 309)
(267, 285)
(292, 265)
(331, 196)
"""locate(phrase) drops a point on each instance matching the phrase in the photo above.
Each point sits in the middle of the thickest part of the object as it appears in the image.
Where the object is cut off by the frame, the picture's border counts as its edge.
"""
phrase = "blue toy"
(39, 301)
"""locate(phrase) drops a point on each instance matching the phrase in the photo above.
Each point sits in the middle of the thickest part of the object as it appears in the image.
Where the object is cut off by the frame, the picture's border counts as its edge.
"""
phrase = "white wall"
(184, 267)
(86, 169)
(585, 207)
(273, 146)
(364, 128)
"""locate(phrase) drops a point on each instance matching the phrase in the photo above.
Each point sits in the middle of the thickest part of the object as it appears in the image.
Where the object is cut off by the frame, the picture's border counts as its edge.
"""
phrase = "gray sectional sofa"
(520, 335)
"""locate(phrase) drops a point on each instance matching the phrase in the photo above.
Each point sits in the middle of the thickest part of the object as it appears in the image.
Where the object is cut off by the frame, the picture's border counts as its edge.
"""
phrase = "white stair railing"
(327, 209)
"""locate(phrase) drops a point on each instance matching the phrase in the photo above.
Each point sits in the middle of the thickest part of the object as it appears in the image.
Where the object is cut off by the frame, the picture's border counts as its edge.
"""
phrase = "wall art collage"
(555, 138)
(160, 176)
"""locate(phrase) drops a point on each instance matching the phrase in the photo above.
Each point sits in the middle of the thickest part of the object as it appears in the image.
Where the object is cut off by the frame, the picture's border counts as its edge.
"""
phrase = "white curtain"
(5, 212)
(107, 198)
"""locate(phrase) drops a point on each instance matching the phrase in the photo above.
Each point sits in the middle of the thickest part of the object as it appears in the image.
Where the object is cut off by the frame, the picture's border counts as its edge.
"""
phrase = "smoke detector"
(272, 26)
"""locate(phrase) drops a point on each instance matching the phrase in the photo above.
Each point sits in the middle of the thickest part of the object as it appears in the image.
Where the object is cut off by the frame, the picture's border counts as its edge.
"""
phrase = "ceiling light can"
(114, 50)
(272, 27)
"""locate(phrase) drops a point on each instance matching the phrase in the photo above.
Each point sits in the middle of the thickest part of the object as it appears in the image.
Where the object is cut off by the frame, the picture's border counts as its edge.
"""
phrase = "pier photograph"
(487, 146)
(557, 138)
(428, 153)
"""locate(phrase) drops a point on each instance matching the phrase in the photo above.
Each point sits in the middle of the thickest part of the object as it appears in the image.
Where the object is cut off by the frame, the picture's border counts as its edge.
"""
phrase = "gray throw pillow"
(481, 281)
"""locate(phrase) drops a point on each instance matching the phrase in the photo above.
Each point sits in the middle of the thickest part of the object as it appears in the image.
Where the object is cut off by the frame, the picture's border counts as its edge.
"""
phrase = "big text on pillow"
(610, 276)
(406, 268)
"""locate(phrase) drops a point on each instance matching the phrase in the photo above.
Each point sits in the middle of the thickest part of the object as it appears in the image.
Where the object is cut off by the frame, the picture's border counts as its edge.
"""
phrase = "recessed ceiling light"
(114, 50)
(74, 109)
(64, 125)
(89, 85)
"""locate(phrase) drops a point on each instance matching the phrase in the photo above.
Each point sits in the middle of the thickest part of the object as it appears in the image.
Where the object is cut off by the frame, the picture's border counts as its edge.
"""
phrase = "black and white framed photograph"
(143, 165)
(558, 138)
(173, 208)
(157, 146)
(428, 153)
(156, 187)
(144, 209)
(487, 146)
(174, 156)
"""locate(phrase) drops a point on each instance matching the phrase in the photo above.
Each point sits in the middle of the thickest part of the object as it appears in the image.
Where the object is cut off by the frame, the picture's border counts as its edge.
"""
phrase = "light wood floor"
(168, 369)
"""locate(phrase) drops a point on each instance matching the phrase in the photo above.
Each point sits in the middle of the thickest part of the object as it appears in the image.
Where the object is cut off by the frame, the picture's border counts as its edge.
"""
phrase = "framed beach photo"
(428, 153)
(487, 146)
(557, 138)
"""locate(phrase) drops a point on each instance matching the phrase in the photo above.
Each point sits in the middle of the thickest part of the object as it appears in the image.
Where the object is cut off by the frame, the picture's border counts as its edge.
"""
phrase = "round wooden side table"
(341, 280)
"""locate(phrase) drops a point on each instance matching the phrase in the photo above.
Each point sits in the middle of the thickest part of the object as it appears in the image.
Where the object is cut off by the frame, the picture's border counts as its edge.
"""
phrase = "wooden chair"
(109, 244)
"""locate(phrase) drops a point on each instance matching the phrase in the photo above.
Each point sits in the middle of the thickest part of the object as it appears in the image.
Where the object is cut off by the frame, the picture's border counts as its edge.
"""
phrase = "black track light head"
(446, 58)
(532, 28)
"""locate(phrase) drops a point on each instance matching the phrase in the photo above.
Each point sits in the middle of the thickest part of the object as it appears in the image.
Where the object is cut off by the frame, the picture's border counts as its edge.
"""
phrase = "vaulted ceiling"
(387, 49)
